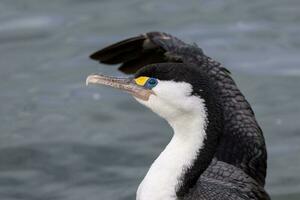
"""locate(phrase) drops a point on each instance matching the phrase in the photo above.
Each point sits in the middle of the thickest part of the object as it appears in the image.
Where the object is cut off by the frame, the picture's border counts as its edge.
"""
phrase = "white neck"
(165, 173)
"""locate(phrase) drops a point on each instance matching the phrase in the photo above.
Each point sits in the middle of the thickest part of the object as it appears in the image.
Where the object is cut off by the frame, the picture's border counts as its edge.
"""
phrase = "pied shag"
(217, 151)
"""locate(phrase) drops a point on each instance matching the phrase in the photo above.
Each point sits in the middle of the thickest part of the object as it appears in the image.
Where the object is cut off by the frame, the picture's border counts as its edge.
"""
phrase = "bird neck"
(184, 159)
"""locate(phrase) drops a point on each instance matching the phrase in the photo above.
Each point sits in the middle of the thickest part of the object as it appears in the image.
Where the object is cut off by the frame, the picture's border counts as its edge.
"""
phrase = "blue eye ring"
(151, 83)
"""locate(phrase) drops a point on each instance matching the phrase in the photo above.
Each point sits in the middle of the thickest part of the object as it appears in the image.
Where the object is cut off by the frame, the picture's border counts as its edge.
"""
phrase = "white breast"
(189, 132)
(163, 175)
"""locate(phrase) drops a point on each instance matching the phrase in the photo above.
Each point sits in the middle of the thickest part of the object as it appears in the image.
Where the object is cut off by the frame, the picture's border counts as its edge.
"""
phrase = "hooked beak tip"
(87, 81)
(93, 78)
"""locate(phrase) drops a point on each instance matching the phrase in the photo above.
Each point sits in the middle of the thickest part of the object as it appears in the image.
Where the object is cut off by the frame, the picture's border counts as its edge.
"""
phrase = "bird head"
(173, 91)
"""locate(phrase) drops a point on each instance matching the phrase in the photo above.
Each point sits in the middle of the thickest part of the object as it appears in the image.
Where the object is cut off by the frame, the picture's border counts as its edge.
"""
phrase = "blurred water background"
(61, 140)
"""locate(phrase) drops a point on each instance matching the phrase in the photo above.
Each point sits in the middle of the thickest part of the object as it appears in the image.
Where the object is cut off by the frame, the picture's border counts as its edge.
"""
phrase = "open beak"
(125, 84)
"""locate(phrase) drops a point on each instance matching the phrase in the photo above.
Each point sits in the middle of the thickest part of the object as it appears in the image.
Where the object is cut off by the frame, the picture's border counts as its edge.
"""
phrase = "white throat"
(163, 177)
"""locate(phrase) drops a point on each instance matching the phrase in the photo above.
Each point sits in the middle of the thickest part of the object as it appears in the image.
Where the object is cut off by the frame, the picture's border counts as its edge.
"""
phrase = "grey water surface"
(62, 140)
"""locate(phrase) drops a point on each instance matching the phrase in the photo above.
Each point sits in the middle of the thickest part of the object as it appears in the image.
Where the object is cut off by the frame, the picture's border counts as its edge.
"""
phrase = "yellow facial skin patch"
(141, 81)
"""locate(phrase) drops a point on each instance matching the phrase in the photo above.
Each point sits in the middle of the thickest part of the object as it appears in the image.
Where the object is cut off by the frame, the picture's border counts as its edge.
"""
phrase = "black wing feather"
(129, 47)
(136, 52)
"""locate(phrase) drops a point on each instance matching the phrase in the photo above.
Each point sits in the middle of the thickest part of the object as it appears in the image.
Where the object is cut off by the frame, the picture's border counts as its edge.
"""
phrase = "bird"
(217, 150)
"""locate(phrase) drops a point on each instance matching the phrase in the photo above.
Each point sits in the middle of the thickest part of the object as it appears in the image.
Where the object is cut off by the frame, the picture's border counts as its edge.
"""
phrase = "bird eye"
(151, 83)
